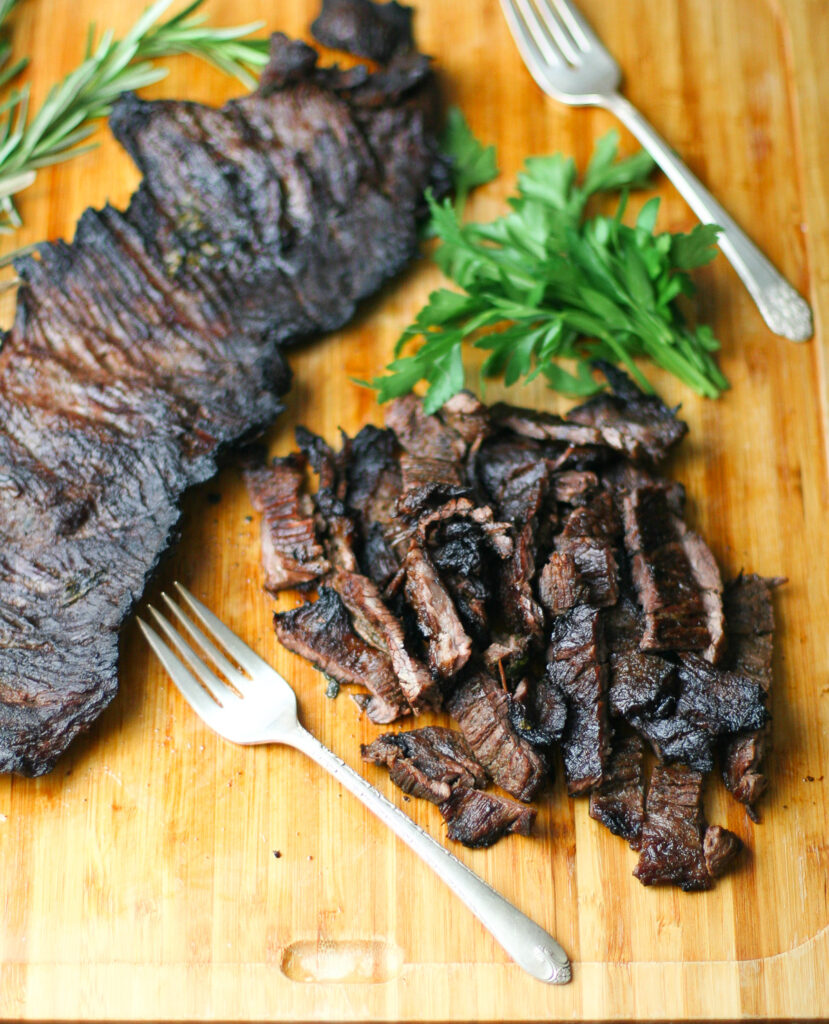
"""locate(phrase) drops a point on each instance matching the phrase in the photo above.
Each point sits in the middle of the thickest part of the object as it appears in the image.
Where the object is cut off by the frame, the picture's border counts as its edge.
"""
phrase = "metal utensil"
(570, 63)
(258, 706)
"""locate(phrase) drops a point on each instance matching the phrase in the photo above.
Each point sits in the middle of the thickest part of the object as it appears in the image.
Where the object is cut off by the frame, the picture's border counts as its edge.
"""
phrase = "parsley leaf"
(473, 163)
(545, 285)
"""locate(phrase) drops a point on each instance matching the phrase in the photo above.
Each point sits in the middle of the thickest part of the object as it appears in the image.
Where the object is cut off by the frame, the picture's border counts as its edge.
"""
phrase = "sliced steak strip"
(479, 819)
(641, 682)
(618, 802)
(291, 553)
(543, 426)
(521, 501)
(672, 850)
(708, 703)
(481, 708)
(750, 616)
(429, 763)
(676, 578)
(379, 626)
(373, 476)
(421, 475)
(334, 525)
(463, 542)
(560, 584)
(584, 568)
(322, 633)
(640, 425)
(424, 437)
(576, 668)
(448, 645)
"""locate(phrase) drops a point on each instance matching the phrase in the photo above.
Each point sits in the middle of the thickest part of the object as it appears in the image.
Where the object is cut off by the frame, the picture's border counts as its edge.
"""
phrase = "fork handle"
(785, 311)
(528, 944)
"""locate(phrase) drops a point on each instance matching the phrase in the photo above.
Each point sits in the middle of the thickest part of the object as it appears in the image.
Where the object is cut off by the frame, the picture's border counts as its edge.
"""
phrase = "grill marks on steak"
(676, 578)
(489, 531)
(150, 343)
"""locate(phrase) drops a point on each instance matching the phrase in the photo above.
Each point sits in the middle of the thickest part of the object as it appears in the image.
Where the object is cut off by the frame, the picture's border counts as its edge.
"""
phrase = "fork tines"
(199, 684)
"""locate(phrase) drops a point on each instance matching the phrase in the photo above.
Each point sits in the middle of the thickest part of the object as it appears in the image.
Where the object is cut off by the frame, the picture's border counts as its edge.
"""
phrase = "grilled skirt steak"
(151, 342)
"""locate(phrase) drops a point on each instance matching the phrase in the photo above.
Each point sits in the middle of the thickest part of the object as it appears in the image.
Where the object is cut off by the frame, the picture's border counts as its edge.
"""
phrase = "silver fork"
(570, 63)
(260, 707)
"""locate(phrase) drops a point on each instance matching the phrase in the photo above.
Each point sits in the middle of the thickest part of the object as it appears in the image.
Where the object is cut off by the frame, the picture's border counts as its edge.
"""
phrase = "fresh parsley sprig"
(60, 128)
(545, 285)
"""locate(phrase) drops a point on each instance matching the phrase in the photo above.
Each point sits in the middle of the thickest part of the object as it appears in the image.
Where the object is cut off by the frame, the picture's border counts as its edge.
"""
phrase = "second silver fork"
(259, 706)
(570, 63)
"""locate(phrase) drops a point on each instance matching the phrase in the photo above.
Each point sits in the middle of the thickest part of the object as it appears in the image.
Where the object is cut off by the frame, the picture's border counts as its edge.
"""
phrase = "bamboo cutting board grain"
(160, 873)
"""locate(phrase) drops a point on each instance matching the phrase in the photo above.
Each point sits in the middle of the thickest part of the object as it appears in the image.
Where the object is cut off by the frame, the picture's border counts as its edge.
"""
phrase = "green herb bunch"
(59, 129)
(545, 285)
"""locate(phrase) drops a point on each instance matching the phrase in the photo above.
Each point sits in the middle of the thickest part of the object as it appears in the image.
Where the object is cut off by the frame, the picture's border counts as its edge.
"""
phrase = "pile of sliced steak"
(533, 577)
(151, 342)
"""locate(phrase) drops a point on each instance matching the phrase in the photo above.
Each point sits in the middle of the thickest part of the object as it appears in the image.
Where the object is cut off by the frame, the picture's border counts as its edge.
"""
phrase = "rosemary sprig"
(59, 130)
(8, 71)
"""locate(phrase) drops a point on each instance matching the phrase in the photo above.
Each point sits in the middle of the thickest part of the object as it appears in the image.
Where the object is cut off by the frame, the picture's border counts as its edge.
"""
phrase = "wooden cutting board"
(160, 873)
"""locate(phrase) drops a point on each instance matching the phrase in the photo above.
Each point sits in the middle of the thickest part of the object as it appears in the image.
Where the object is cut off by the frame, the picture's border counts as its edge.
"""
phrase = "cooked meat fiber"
(521, 502)
(618, 802)
(576, 668)
(575, 486)
(429, 763)
(373, 474)
(479, 819)
(641, 682)
(750, 617)
(673, 846)
(469, 417)
(379, 626)
(448, 645)
(322, 633)
(150, 343)
(584, 568)
(291, 555)
(423, 436)
(481, 709)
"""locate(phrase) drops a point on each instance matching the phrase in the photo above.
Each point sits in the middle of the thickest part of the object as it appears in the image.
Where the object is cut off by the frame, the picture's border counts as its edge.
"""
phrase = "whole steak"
(151, 342)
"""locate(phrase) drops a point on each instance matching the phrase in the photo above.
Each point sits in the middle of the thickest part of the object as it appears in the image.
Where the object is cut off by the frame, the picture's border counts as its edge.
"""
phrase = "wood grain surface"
(140, 880)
